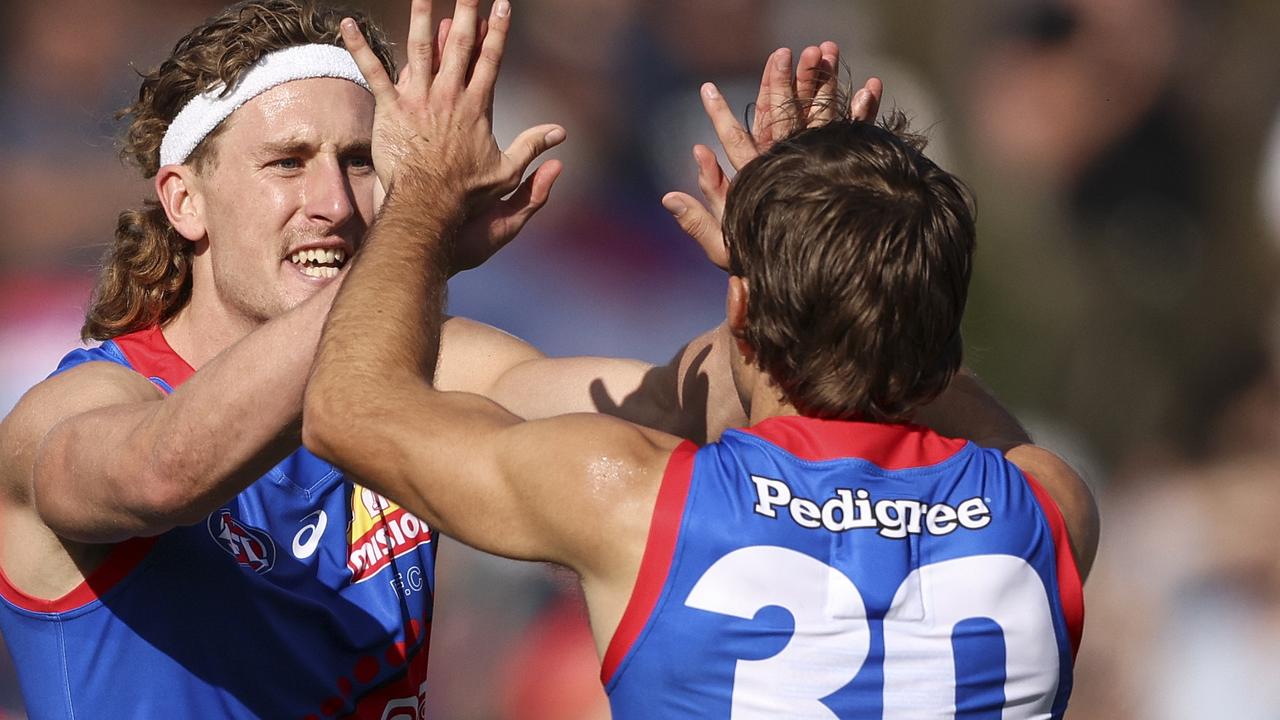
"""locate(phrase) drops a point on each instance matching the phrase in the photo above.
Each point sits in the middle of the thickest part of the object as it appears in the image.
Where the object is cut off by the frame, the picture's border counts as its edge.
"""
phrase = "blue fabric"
(248, 614)
(696, 658)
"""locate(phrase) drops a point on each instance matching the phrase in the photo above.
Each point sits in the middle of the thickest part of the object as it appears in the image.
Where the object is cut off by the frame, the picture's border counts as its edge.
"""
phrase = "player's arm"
(691, 396)
(967, 409)
(467, 465)
(534, 490)
(102, 455)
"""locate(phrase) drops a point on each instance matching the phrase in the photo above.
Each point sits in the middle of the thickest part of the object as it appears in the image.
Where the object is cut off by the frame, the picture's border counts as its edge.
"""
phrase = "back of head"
(146, 274)
(857, 250)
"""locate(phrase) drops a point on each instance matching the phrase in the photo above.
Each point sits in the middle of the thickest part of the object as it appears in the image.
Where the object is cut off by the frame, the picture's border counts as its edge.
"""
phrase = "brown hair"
(857, 251)
(146, 273)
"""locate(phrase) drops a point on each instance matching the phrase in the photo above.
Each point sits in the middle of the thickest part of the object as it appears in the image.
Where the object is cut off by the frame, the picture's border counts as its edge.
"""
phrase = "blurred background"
(1125, 155)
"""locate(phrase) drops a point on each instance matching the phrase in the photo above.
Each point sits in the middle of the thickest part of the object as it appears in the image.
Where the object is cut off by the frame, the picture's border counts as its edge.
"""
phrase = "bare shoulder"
(1072, 495)
(587, 438)
(83, 388)
(597, 479)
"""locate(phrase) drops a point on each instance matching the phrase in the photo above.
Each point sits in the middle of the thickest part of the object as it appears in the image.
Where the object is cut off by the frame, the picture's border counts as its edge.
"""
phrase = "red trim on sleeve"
(890, 446)
(150, 354)
(659, 551)
(121, 561)
(1070, 588)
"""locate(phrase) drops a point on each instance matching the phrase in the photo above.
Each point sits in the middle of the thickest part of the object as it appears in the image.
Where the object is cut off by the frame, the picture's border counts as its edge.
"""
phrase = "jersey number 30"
(832, 636)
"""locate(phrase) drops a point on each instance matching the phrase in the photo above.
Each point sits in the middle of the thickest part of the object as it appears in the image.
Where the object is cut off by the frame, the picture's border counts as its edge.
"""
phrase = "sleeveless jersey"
(305, 596)
(819, 569)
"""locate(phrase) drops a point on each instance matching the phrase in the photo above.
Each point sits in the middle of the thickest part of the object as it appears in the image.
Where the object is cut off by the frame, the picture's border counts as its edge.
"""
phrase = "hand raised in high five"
(435, 123)
(784, 104)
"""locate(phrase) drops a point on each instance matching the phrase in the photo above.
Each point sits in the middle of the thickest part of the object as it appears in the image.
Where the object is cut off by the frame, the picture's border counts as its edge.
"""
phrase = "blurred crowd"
(1125, 155)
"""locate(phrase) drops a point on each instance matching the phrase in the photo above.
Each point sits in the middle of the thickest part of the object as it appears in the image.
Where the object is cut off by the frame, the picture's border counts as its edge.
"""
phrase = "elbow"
(162, 499)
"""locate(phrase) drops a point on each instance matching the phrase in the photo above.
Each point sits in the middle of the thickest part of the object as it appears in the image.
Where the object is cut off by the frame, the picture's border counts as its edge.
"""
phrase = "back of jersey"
(823, 569)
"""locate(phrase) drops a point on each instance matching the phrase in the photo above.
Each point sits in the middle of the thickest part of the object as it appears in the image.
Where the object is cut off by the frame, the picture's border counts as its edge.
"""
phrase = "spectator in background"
(1079, 107)
(1185, 606)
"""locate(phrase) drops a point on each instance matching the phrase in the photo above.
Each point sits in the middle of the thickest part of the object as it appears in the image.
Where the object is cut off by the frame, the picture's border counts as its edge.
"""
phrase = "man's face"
(288, 195)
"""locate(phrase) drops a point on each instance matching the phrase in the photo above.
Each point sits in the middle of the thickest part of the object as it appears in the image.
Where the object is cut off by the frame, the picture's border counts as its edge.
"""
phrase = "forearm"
(383, 334)
(967, 409)
(140, 468)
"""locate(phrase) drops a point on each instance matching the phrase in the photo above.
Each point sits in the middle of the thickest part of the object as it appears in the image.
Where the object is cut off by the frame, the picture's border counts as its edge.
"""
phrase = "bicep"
(474, 356)
(546, 387)
(693, 396)
(477, 358)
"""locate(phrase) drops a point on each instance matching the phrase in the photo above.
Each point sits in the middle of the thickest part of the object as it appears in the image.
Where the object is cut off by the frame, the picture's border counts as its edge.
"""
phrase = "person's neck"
(767, 400)
(203, 329)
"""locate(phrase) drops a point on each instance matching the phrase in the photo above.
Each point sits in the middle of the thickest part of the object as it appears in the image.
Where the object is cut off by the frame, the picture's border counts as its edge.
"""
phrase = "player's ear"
(176, 188)
(735, 310)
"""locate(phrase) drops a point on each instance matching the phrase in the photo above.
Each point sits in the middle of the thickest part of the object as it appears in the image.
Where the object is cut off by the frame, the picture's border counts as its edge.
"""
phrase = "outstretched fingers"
(711, 179)
(808, 74)
(370, 66)
(761, 107)
(494, 42)
(775, 106)
(531, 143)
(442, 37)
(529, 198)
(420, 47)
(824, 107)
(737, 142)
(460, 45)
(865, 105)
(699, 224)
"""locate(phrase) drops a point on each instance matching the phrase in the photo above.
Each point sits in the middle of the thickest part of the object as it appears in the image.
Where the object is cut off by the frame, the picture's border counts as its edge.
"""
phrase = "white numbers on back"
(832, 636)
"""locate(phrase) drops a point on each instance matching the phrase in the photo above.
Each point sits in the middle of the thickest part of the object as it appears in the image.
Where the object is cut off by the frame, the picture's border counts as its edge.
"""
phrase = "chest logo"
(308, 538)
(380, 531)
(250, 546)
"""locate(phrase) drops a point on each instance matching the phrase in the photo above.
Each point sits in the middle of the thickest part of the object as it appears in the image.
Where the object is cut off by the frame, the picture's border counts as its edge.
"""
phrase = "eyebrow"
(307, 148)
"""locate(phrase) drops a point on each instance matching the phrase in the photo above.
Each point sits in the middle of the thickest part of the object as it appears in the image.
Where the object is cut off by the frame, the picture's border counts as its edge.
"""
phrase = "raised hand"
(435, 121)
(784, 104)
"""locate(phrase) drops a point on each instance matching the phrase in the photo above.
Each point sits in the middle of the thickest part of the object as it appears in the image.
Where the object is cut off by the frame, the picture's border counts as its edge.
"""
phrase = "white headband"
(206, 111)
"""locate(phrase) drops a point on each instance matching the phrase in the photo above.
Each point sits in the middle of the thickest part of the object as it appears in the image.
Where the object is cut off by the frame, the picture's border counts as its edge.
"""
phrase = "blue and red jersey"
(819, 569)
(304, 596)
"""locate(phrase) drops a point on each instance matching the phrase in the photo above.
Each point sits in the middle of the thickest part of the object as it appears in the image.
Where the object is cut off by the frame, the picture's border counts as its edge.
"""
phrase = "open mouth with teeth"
(320, 263)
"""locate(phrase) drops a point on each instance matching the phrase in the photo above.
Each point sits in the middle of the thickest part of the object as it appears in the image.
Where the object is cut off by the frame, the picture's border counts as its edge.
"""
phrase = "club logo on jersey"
(250, 546)
(380, 530)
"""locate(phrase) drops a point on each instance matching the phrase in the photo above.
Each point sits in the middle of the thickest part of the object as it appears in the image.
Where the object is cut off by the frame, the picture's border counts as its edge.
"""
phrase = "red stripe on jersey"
(660, 548)
(150, 355)
(122, 559)
(890, 446)
(1070, 588)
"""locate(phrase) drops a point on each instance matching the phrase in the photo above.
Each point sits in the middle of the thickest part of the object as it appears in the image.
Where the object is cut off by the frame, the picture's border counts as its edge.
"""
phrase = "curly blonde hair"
(146, 273)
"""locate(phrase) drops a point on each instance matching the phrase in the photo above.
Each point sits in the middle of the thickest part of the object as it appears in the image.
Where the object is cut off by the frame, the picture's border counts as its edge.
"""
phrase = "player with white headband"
(168, 549)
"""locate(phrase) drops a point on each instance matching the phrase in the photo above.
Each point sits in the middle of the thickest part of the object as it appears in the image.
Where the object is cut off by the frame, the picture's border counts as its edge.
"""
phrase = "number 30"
(832, 636)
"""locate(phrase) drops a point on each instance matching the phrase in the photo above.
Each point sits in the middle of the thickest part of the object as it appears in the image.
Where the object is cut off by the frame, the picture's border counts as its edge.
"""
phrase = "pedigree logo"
(850, 509)
(380, 530)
